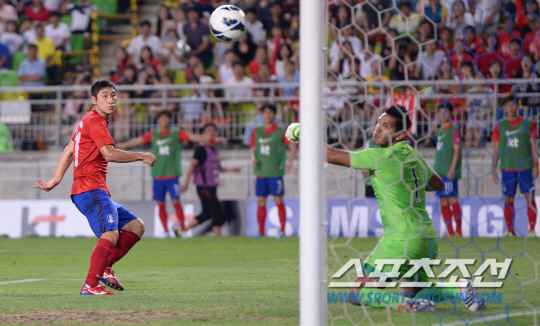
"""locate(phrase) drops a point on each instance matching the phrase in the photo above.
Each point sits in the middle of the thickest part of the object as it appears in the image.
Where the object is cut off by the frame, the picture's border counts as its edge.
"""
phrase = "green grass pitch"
(224, 281)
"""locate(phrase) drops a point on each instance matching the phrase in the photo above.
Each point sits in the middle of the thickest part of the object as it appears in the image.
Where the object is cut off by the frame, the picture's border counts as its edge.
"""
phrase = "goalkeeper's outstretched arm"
(337, 156)
(435, 183)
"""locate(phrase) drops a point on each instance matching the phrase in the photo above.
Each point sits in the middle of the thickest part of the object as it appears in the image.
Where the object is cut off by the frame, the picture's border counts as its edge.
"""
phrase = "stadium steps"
(146, 11)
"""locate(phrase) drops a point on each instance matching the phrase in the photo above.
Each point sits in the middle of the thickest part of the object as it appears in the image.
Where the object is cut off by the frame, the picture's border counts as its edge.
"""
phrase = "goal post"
(311, 233)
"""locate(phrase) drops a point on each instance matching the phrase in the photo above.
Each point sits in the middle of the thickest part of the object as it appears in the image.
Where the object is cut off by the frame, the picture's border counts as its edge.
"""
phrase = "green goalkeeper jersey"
(400, 176)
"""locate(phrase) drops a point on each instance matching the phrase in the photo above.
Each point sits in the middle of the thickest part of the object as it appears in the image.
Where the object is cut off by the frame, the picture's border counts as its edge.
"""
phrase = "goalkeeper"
(397, 169)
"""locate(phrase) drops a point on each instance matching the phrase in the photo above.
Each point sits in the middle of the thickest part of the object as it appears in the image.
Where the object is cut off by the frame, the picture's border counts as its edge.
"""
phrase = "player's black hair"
(238, 62)
(449, 106)
(405, 3)
(32, 45)
(515, 40)
(400, 113)
(146, 22)
(270, 107)
(100, 84)
(509, 98)
(164, 112)
(207, 125)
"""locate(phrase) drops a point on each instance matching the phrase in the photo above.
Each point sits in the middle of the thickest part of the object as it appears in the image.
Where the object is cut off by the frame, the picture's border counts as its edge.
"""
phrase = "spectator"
(122, 60)
(336, 48)
(197, 36)
(512, 61)
(260, 58)
(343, 67)
(459, 55)
(32, 70)
(148, 76)
(47, 52)
(429, 62)
(76, 106)
(263, 11)
(238, 94)
(435, 11)
(276, 16)
(122, 117)
(13, 40)
(194, 111)
(52, 5)
(170, 36)
(205, 79)
(147, 58)
(336, 98)
(486, 14)
(405, 21)
(245, 49)
(58, 32)
(459, 19)
(81, 17)
(7, 13)
(376, 93)
(504, 37)
(273, 43)
(254, 27)
(371, 11)
(343, 15)
(171, 94)
(226, 69)
(480, 111)
(530, 101)
(143, 39)
(265, 76)
(37, 12)
(129, 75)
(164, 22)
(495, 73)
(294, 28)
(445, 40)
(290, 76)
(180, 15)
(425, 31)
(487, 54)
(170, 59)
(402, 68)
(366, 58)
(5, 57)
(284, 54)
(472, 42)
(193, 61)
(27, 30)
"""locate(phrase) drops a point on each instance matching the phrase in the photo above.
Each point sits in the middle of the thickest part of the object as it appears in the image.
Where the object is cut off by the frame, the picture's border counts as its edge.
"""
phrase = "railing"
(51, 125)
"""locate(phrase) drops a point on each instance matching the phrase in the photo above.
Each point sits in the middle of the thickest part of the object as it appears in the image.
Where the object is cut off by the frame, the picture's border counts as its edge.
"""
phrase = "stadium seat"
(16, 59)
(106, 6)
(8, 78)
(77, 44)
(66, 19)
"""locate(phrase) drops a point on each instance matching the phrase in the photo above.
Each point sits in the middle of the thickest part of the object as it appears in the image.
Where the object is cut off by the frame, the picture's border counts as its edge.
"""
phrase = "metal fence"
(44, 117)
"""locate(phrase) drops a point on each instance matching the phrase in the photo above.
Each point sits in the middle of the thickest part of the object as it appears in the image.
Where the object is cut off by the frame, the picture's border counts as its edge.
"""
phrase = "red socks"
(456, 212)
(282, 213)
(447, 216)
(98, 261)
(509, 216)
(179, 215)
(126, 241)
(261, 218)
(163, 216)
(531, 212)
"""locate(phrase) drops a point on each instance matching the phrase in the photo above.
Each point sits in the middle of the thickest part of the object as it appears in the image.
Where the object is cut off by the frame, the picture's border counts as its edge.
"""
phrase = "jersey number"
(164, 150)
(265, 149)
(417, 192)
(76, 151)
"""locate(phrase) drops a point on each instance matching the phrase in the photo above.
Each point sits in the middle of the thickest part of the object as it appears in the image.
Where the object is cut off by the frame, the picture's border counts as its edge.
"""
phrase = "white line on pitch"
(486, 319)
(22, 281)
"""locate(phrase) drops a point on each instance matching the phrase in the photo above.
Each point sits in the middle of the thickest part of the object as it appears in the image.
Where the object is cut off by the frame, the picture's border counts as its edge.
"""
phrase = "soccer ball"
(228, 23)
(293, 133)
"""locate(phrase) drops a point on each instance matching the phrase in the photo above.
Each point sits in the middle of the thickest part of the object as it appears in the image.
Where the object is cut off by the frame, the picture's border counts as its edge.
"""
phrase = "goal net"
(458, 59)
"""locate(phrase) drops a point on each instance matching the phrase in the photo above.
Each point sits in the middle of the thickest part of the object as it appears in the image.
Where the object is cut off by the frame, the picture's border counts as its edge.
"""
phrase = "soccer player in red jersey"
(90, 150)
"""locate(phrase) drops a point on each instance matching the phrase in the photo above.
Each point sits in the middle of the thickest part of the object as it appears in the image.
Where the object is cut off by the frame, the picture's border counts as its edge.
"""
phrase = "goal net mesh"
(377, 58)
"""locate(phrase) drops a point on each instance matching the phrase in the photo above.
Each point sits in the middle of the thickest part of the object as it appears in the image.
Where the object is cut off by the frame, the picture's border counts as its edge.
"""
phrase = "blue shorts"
(269, 185)
(102, 212)
(510, 180)
(450, 188)
(162, 186)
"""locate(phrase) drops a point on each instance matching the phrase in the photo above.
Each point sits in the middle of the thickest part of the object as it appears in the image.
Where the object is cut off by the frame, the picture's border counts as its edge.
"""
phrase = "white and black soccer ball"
(228, 23)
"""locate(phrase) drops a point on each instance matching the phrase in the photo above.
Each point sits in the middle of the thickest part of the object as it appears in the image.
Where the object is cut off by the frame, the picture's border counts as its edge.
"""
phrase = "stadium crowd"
(371, 42)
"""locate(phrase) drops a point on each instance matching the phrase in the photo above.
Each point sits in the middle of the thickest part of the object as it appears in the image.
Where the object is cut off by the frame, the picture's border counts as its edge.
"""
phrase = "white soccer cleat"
(466, 287)
(417, 305)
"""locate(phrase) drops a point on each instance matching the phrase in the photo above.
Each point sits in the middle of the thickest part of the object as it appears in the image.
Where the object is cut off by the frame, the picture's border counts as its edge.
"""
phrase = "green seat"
(16, 59)
(8, 78)
(66, 19)
(106, 6)
(77, 44)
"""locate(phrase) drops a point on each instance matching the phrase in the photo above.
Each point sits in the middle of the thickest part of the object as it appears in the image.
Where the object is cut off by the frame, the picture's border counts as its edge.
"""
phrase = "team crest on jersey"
(110, 218)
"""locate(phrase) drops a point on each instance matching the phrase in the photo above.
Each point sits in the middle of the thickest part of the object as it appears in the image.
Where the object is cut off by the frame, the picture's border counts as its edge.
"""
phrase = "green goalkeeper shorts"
(399, 249)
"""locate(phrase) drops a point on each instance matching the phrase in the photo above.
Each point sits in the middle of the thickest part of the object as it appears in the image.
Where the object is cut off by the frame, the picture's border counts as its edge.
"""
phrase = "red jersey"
(90, 167)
